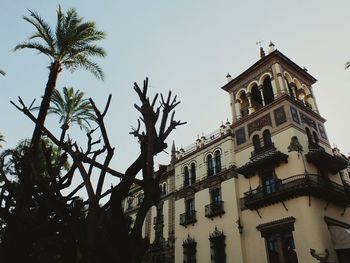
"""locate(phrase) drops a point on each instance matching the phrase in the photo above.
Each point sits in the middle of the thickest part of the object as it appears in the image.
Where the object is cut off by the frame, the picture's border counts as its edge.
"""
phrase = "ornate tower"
(289, 181)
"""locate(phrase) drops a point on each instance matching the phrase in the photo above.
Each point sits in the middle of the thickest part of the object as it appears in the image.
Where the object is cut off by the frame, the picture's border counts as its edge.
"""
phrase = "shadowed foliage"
(71, 108)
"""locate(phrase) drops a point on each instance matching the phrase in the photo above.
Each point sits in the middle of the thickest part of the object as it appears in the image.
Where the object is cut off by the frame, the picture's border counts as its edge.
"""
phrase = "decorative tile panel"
(240, 136)
(280, 116)
(295, 115)
(322, 131)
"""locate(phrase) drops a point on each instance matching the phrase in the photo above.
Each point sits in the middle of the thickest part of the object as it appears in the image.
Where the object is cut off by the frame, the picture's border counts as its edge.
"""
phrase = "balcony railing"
(298, 185)
(214, 209)
(159, 219)
(188, 217)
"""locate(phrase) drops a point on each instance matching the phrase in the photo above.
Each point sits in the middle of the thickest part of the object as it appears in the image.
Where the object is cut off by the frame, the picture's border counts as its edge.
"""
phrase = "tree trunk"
(55, 69)
(64, 127)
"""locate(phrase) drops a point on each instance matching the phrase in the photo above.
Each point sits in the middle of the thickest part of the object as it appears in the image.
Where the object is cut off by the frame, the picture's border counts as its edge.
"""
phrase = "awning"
(340, 237)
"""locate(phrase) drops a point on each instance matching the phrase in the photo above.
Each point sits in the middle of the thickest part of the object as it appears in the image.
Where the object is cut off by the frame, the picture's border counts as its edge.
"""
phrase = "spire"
(173, 152)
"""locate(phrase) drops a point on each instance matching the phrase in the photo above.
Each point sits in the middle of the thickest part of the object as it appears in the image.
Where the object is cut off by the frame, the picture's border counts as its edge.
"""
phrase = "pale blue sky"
(184, 46)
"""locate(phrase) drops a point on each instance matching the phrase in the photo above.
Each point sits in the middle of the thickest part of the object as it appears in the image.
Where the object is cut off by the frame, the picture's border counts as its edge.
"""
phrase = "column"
(261, 89)
(238, 109)
(274, 88)
(250, 107)
(293, 90)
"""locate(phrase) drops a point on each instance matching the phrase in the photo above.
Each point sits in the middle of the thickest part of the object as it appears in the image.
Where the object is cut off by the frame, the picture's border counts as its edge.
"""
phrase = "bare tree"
(103, 233)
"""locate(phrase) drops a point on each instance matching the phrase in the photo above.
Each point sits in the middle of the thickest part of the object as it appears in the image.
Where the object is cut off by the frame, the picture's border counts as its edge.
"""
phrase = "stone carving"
(308, 121)
(321, 259)
(259, 124)
(295, 145)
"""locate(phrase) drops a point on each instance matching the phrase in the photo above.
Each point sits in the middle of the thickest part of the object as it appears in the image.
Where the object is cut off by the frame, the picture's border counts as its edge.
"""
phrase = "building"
(266, 188)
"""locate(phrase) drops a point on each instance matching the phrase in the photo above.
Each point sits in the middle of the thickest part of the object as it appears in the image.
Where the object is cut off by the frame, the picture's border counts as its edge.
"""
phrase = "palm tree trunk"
(55, 69)
(64, 128)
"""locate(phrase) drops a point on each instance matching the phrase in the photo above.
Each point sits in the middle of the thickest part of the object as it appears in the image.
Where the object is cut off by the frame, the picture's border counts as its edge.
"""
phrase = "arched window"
(244, 104)
(193, 173)
(316, 140)
(210, 165)
(164, 189)
(217, 162)
(186, 176)
(267, 138)
(290, 89)
(256, 143)
(256, 98)
(268, 91)
(309, 136)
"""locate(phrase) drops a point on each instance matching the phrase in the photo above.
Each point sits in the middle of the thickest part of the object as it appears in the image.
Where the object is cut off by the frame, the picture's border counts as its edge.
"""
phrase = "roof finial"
(262, 52)
(271, 47)
(228, 77)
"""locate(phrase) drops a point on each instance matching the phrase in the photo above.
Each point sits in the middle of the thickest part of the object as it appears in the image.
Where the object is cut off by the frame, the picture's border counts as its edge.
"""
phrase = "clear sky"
(184, 46)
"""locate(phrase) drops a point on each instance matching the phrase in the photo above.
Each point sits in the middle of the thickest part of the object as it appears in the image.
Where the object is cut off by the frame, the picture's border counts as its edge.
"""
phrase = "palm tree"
(2, 72)
(1, 139)
(70, 46)
(71, 108)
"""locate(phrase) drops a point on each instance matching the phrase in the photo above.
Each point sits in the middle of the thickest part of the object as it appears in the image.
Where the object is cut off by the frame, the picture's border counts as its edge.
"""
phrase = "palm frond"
(43, 29)
(81, 61)
(71, 107)
(71, 43)
(35, 45)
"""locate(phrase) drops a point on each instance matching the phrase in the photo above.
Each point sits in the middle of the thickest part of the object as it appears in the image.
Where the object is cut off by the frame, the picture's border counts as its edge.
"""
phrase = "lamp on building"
(239, 225)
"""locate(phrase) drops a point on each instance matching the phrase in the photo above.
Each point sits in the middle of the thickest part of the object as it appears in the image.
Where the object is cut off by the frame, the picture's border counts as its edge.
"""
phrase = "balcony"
(214, 209)
(263, 157)
(188, 217)
(325, 161)
(294, 186)
(159, 219)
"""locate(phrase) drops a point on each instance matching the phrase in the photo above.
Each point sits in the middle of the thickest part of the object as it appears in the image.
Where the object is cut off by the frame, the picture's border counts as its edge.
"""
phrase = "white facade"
(265, 188)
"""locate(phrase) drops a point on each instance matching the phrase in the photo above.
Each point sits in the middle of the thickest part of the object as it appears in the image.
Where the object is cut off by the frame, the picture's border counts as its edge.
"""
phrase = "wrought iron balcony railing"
(188, 217)
(214, 209)
(298, 185)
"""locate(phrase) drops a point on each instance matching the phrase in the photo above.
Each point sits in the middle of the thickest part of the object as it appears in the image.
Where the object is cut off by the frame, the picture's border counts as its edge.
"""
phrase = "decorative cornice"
(274, 57)
(283, 224)
(333, 222)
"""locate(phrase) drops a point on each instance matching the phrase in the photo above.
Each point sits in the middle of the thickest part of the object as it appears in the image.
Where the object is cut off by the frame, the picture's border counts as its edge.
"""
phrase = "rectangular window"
(215, 195)
(217, 246)
(269, 181)
(280, 247)
(189, 205)
(189, 250)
